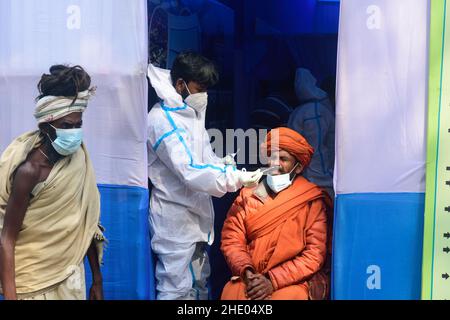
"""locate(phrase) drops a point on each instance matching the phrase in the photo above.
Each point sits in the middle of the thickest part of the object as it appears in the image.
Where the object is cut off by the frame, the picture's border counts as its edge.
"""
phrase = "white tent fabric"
(381, 96)
(109, 39)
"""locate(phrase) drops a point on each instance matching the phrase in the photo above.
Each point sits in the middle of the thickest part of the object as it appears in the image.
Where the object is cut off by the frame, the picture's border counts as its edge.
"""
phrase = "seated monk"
(275, 235)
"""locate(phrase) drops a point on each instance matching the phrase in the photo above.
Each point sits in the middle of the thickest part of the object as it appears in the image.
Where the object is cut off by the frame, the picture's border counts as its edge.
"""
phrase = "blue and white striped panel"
(380, 149)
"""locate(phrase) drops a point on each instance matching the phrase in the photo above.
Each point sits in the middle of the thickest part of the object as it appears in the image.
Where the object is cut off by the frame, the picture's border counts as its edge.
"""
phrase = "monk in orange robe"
(275, 235)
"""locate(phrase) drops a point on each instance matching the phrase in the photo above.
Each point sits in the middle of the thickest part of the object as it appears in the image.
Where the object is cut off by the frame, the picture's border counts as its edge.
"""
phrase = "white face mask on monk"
(280, 182)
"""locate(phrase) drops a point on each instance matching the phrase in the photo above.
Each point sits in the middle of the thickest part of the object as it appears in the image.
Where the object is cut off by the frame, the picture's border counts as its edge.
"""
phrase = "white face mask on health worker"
(197, 101)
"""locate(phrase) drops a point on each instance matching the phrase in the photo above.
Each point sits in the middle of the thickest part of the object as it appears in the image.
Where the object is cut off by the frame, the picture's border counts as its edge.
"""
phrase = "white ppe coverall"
(185, 172)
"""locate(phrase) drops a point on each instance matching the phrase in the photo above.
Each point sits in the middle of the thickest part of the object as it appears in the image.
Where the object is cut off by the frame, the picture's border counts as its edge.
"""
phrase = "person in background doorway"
(314, 119)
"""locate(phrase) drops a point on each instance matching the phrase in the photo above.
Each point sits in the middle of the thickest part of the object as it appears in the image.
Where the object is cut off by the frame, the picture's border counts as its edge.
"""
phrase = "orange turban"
(290, 141)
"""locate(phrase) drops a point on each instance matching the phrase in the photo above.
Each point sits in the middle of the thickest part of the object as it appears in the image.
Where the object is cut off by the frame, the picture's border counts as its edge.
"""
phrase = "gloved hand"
(250, 179)
(229, 160)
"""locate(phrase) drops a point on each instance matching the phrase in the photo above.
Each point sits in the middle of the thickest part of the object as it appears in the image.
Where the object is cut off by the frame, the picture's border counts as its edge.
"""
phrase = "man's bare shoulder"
(27, 174)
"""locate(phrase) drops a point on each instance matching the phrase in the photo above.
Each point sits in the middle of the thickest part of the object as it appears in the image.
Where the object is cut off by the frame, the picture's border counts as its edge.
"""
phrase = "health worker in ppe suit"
(185, 173)
(314, 119)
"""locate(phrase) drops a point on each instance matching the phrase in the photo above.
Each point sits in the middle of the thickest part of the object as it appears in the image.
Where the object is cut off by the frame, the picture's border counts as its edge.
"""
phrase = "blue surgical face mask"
(67, 141)
(281, 181)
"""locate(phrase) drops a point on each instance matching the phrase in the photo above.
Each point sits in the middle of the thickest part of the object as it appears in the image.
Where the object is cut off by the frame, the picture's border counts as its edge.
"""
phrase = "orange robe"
(283, 238)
